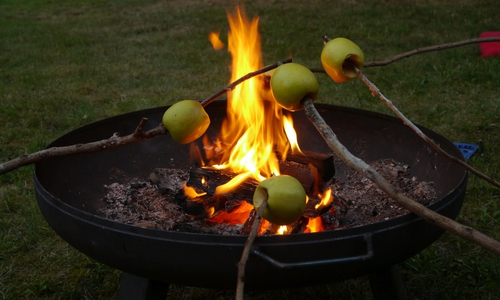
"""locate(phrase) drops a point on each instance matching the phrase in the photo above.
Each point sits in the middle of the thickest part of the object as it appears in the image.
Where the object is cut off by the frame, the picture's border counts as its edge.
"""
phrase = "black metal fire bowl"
(69, 190)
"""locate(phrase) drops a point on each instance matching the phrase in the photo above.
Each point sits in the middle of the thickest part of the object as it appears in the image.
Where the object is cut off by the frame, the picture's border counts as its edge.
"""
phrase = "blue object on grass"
(467, 149)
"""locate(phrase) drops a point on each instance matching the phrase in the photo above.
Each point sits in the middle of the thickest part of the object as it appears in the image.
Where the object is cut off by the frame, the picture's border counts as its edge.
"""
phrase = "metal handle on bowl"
(369, 254)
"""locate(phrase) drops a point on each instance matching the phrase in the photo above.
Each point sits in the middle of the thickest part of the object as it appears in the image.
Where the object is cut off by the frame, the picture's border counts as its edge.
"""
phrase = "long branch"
(375, 91)
(113, 142)
(246, 250)
(404, 201)
(116, 140)
(400, 56)
(429, 49)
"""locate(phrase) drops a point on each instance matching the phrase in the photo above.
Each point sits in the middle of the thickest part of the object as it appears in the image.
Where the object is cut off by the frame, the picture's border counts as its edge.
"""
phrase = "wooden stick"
(429, 49)
(404, 201)
(231, 86)
(116, 140)
(246, 250)
(110, 143)
(417, 51)
(376, 92)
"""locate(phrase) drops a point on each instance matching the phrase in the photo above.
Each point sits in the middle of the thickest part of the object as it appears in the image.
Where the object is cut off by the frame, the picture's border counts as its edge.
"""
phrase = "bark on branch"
(359, 165)
(400, 56)
(113, 142)
(240, 286)
(376, 92)
(429, 49)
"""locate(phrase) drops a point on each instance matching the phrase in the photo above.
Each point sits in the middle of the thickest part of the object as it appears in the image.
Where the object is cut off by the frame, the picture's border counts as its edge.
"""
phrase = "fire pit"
(69, 190)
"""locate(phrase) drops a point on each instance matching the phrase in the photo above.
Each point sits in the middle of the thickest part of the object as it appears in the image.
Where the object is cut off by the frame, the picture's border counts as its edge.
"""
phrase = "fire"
(315, 225)
(237, 216)
(253, 126)
(263, 226)
(255, 132)
(235, 182)
(326, 199)
(282, 230)
(213, 37)
(192, 193)
(291, 134)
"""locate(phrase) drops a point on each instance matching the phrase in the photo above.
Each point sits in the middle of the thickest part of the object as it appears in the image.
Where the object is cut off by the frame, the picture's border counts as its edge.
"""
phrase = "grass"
(64, 64)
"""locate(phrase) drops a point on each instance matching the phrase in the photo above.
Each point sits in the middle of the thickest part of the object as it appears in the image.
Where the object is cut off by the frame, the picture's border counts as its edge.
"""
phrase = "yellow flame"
(210, 211)
(253, 131)
(282, 230)
(232, 184)
(291, 134)
(191, 192)
(214, 39)
(253, 126)
(326, 199)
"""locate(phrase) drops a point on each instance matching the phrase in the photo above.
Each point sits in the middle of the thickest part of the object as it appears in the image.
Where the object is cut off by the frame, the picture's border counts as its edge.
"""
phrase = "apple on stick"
(290, 83)
(338, 58)
(186, 121)
(286, 199)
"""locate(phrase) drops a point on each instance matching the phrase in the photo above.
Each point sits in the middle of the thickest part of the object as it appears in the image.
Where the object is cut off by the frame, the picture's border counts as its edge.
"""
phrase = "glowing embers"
(233, 206)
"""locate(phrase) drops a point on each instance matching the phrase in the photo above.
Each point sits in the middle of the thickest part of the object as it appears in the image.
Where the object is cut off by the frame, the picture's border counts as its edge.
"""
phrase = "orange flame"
(253, 126)
(213, 37)
(237, 216)
(326, 199)
(263, 226)
(291, 134)
(232, 184)
(255, 129)
(192, 193)
(314, 225)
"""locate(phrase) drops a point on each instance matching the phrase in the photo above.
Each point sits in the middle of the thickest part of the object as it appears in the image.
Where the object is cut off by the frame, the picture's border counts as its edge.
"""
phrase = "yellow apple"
(338, 58)
(186, 121)
(286, 199)
(290, 83)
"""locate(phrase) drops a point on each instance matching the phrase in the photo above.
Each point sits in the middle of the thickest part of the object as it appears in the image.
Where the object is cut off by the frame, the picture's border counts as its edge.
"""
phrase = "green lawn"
(64, 64)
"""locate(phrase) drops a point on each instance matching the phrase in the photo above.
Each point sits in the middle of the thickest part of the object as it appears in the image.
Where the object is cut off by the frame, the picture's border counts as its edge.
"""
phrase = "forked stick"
(359, 165)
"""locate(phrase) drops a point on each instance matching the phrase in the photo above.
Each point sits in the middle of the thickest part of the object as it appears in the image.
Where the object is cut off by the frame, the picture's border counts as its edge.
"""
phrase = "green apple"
(286, 199)
(338, 58)
(186, 121)
(290, 83)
